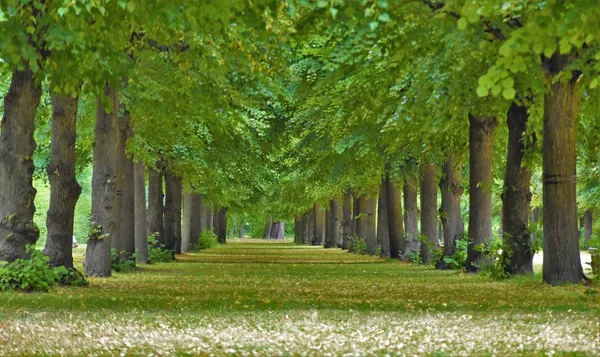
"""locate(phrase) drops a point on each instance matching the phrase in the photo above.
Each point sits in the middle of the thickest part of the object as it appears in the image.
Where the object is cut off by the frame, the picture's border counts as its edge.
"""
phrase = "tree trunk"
(187, 221)
(215, 221)
(197, 219)
(355, 212)
(64, 188)
(562, 263)
(346, 220)
(178, 203)
(124, 241)
(365, 225)
(319, 226)
(516, 198)
(155, 204)
(383, 229)
(141, 234)
(450, 214)
(172, 211)
(310, 227)
(327, 227)
(222, 229)
(412, 218)
(105, 204)
(297, 230)
(334, 223)
(587, 227)
(395, 219)
(429, 221)
(209, 218)
(268, 227)
(17, 146)
(535, 219)
(481, 148)
(280, 234)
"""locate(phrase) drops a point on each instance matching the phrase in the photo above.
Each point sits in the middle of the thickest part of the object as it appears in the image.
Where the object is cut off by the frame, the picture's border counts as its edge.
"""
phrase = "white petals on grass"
(329, 333)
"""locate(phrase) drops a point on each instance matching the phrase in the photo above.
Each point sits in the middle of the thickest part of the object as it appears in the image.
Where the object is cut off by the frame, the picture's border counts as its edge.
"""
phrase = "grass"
(258, 298)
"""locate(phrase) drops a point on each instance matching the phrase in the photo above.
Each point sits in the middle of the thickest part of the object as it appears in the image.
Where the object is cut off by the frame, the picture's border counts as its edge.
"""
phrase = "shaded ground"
(280, 299)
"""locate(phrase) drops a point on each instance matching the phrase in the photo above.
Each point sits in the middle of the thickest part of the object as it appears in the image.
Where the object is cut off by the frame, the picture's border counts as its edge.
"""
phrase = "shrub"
(498, 254)
(120, 262)
(157, 253)
(207, 240)
(33, 274)
(459, 258)
(357, 245)
(415, 257)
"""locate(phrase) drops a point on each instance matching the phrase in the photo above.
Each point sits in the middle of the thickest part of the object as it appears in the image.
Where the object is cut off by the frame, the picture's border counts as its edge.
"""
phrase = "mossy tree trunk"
(105, 202)
(562, 263)
(17, 146)
(452, 190)
(429, 221)
(64, 188)
(516, 198)
(481, 148)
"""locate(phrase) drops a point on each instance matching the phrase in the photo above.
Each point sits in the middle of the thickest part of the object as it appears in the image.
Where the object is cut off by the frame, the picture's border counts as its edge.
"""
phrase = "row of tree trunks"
(516, 198)
(64, 188)
(319, 226)
(481, 147)
(451, 189)
(429, 222)
(105, 204)
(16, 166)
(276, 230)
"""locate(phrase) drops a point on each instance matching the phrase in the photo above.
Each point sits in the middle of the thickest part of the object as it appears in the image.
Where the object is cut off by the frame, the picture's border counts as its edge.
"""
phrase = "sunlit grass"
(288, 288)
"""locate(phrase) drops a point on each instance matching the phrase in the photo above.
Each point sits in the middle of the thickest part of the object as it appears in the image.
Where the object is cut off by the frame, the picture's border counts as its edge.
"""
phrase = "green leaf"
(333, 11)
(462, 23)
(384, 17)
(131, 6)
(482, 91)
(373, 25)
(594, 83)
(508, 82)
(509, 93)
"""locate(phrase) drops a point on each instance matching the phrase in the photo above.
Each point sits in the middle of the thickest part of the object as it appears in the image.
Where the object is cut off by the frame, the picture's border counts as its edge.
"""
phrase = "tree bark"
(516, 198)
(334, 222)
(105, 204)
(215, 221)
(64, 188)
(178, 198)
(222, 229)
(327, 227)
(383, 228)
(450, 214)
(187, 221)
(141, 224)
(365, 225)
(268, 228)
(172, 216)
(354, 222)
(197, 219)
(319, 235)
(209, 218)
(124, 241)
(17, 146)
(412, 218)
(429, 221)
(395, 219)
(298, 230)
(156, 207)
(280, 233)
(588, 219)
(562, 263)
(481, 148)
(310, 227)
(346, 220)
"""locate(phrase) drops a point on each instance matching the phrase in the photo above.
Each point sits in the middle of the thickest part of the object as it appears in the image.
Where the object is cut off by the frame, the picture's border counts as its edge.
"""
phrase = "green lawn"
(280, 299)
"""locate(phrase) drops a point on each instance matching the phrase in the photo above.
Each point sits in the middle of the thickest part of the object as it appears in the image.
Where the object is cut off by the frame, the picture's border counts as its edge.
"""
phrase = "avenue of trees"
(403, 123)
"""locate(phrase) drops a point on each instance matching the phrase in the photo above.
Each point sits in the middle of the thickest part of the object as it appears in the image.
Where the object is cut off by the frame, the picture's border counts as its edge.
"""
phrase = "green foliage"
(157, 253)
(459, 258)
(357, 245)
(33, 274)
(415, 257)
(120, 262)
(498, 255)
(70, 277)
(207, 240)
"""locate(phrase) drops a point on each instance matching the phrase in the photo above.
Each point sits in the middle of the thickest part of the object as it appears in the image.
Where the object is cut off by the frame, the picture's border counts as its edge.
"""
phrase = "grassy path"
(279, 299)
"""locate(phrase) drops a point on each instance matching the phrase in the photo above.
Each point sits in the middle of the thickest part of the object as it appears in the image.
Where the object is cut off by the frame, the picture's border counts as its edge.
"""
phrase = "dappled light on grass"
(240, 299)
